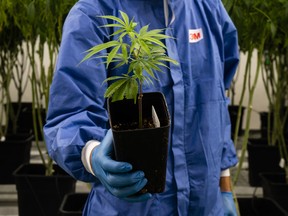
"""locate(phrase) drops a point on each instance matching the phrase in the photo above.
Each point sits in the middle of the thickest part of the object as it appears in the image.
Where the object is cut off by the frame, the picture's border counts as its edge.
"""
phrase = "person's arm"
(229, 157)
(225, 181)
(76, 112)
(231, 59)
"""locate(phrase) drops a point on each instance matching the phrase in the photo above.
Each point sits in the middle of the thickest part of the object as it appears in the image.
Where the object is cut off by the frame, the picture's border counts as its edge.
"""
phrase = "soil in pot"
(146, 149)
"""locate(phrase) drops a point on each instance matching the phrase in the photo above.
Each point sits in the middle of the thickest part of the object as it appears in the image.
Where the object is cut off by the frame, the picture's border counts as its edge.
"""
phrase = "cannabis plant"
(144, 51)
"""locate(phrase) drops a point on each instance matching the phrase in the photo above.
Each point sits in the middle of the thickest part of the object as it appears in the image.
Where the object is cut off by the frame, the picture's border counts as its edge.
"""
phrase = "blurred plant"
(40, 23)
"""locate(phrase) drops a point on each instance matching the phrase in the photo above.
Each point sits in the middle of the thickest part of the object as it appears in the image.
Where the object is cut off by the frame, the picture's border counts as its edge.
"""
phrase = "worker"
(201, 151)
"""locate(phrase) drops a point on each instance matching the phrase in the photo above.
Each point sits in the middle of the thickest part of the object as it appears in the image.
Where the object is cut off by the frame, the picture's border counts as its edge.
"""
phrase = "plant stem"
(247, 71)
(249, 111)
(140, 111)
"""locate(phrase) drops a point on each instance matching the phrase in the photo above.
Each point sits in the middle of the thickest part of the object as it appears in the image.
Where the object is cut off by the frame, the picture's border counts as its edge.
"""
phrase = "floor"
(8, 194)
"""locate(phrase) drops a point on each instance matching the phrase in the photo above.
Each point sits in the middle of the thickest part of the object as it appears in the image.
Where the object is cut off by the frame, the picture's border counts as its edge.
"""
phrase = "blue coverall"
(200, 145)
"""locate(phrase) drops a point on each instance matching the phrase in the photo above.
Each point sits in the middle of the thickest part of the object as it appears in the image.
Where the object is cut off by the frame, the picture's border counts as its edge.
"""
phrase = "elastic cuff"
(86, 154)
(225, 173)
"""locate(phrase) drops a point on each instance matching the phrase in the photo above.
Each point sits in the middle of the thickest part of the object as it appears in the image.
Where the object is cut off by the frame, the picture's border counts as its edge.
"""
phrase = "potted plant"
(275, 81)
(275, 185)
(15, 141)
(140, 121)
(252, 35)
(40, 187)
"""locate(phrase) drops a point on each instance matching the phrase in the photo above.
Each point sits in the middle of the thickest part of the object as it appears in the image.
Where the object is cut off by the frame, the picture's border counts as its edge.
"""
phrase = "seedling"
(144, 52)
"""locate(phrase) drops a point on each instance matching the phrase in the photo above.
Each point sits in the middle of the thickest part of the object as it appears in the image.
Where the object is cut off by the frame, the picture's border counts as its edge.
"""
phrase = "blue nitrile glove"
(116, 176)
(229, 205)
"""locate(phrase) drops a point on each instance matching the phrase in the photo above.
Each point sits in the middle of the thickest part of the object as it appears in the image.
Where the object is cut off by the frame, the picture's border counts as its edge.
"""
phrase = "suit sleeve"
(76, 111)
(231, 59)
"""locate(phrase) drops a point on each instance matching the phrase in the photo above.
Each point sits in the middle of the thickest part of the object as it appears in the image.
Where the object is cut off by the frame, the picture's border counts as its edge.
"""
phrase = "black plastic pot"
(264, 123)
(25, 120)
(146, 149)
(40, 195)
(275, 187)
(15, 150)
(261, 158)
(73, 204)
(260, 207)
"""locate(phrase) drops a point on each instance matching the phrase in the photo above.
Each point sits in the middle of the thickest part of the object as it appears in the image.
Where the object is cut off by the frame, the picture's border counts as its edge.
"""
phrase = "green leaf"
(118, 32)
(132, 89)
(114, 87)
(120, 93)
(153, 64)
(143, 30)
(125, 18)
(112, 54)
(114, 18)
(156, 41)
(144, 47)
(167, 59)
(112, 78)
(113, 25)
(96, 49)
(124, 52)
(148, 69)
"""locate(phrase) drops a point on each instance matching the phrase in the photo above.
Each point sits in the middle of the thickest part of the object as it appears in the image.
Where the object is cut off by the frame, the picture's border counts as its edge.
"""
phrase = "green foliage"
(262, 26)
(39, 26)
(144, 52)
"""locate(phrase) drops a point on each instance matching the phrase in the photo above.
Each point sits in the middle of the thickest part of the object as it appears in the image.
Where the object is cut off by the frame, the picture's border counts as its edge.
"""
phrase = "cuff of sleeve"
(225, 173)
(86, 155)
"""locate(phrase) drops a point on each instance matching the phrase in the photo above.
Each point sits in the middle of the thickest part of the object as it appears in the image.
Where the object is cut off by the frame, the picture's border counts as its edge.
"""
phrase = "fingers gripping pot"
(146, 148)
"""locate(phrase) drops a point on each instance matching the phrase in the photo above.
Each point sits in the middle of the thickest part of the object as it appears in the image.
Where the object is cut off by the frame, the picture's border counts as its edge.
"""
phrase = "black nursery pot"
(258, 152)
(233, 112)
(146, 149)
(15, 150)
(275, 187)
(73, 204)
(254, 206)
(40, 195)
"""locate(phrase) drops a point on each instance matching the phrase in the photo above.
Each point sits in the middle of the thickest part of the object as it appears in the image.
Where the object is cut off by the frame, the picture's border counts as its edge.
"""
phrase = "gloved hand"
(117, 177)
(229, 205)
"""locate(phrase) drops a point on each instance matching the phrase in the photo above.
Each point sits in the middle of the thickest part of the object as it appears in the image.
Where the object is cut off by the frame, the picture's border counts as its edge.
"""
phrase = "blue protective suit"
(200, 147)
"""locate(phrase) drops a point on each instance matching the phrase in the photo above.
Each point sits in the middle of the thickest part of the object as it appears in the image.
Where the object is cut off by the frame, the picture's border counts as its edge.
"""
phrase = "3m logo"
(195, 35)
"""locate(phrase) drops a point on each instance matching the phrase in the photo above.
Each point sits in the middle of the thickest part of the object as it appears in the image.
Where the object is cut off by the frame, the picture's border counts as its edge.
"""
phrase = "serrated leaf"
(114, 87)
(148, 80)
(112, 54)
(144, 47)
(125, 18)
(167, 59)
(112, 78)
(118, 32)
(143, 30)
(153, 40)
(120, 93)
(124, 52)
(98, 48)
(112, 25)
(132, 89)
(113, 18)
(148, 69)
(153, 64)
